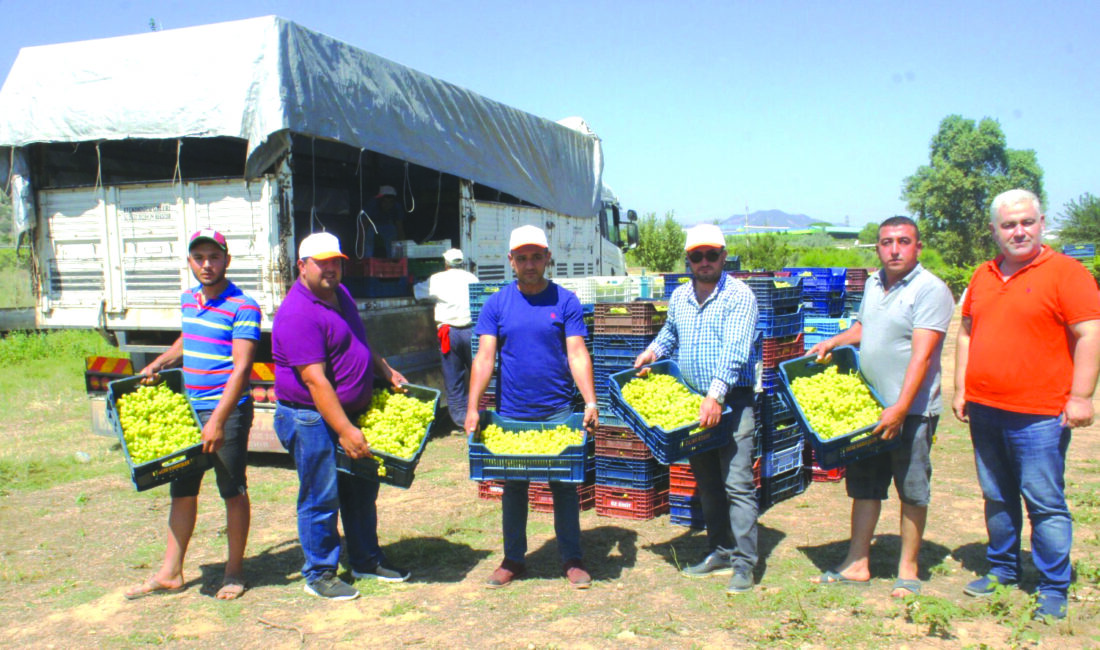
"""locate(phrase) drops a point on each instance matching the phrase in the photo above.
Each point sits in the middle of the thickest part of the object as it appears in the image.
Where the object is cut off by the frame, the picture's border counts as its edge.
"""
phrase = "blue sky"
(706, 108)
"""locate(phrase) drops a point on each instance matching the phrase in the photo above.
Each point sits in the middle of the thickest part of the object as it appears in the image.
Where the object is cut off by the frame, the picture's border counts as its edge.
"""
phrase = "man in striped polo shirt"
(221, 326)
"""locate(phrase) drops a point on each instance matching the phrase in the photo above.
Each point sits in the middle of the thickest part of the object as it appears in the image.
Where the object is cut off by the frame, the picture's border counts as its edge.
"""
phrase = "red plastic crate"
(487, 402)
(781, 349)
(625, 503)
(681, 480)
(541, 499)
(621, 444)
(827, 475)
(490, 490)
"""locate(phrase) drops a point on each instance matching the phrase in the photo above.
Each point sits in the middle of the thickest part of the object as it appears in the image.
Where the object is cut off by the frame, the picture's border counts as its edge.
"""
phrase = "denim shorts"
(908, 465)
(229, 462)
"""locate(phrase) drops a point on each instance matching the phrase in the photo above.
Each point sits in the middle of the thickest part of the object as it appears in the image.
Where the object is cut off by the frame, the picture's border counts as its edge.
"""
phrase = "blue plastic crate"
(769, 379)
(1079, 251)
(686, 511)
(480, 292)
(619, 348)
(820, 278)
(399, 471)
(378, 287)
(782, 436)
(776, 409)
(570, 466)
(184, 462)
(682, 442)
(831, 307)
(628, 473)
(673, 280)
(839, 450)
(780, 461)
(770, 296)
(829, 326)
(781, 487)
(775, 324)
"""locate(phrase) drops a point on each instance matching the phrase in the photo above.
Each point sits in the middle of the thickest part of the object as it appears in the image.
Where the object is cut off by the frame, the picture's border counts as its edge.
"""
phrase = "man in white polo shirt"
(900, 329)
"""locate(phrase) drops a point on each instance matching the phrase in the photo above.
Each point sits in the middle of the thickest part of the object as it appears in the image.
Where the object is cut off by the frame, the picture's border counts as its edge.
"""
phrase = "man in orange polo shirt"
(1021, 408)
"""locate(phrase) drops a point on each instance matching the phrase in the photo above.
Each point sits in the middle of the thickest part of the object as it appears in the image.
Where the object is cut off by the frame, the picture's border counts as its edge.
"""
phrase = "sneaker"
(505, 574)
(986, 585)
(713, 565)
(383, 571)
(1049, 603)
(740, 582)
(578, 576)
(330, 587)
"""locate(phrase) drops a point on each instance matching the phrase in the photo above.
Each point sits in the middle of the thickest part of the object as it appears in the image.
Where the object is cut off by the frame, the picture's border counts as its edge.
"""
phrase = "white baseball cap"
(527, 236)
(705, 234)
(452, 256)
(320, 246)
(386, 190)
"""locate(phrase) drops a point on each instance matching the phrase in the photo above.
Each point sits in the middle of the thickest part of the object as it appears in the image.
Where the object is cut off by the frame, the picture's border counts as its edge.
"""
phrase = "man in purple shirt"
(323, 376)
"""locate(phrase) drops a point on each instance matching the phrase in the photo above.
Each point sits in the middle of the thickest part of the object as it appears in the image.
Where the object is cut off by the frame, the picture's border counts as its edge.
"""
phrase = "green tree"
(969, 164)
(764, 252)
(869, 234)
(660, 244)
(1080, 220)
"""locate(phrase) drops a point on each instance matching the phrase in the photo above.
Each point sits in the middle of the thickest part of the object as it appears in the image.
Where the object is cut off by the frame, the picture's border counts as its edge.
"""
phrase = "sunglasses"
(696, 256)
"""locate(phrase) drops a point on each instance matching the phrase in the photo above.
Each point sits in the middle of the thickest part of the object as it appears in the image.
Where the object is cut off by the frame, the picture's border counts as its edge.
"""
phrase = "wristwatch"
(591, 405)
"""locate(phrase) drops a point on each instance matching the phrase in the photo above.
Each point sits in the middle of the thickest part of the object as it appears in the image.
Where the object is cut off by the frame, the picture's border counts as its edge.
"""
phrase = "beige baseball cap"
(705, 234)
(527, 236)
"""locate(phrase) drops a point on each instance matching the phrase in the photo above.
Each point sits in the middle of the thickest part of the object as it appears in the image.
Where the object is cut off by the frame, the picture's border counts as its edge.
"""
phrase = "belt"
(457, 327)
(296, 405)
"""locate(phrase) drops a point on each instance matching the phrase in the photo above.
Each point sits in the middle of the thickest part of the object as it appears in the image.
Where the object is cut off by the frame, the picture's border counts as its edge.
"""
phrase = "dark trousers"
(456, 373)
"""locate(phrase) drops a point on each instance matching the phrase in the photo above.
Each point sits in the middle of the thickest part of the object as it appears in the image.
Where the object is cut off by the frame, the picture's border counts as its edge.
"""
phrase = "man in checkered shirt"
(710, 331)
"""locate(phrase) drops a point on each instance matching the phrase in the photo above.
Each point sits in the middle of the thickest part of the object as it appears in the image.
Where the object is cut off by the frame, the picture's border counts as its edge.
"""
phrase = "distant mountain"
(765, 219)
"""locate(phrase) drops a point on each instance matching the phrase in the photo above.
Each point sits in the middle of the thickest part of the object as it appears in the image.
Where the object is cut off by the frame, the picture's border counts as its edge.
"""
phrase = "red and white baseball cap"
(208, 235)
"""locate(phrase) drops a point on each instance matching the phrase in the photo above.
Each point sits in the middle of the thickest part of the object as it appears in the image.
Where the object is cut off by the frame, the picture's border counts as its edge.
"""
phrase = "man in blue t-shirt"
(221, 326)
(539, 330)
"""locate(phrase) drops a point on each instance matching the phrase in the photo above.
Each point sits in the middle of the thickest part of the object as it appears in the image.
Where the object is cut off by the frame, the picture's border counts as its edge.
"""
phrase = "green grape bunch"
(541, 442)
(835, 403)
(156, 422)
(662, 401)
(396, 424)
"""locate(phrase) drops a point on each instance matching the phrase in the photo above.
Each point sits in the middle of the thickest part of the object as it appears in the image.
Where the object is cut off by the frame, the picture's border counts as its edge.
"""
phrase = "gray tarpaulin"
(262, 78)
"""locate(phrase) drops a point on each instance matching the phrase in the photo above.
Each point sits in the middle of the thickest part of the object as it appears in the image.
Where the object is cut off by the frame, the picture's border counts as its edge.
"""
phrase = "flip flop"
(830, 578)
(152, 587)
(231, 590)
(902, 584)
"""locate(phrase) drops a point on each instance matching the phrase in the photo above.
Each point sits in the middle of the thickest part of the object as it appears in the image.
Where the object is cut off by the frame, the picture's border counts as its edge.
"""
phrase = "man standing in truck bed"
(220, 328)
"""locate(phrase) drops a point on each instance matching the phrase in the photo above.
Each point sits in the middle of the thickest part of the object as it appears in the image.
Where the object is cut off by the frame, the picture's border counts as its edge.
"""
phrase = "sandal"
(903, 584)
(830, 578)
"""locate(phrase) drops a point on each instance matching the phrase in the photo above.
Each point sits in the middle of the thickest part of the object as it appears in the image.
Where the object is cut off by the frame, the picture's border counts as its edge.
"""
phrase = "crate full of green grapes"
(518, 450)
(158, 429)
(664, 411)
(396, 427)
(837, 407)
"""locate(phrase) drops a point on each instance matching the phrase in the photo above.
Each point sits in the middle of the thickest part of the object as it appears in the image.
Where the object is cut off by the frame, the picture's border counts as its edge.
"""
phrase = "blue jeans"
(456, 370)
(567, 516)
(324, 493)
(726, 489)
(1018, 454)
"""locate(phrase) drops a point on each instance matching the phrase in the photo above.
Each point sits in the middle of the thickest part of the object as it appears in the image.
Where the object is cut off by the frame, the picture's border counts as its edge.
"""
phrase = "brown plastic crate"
(624, 503)
(681, 480)
(541, 499)
(781, 349)
(639, 318)
(490, 490)
(621, 444)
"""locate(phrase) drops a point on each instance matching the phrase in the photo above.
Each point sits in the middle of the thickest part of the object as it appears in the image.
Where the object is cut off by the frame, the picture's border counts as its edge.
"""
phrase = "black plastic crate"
(570, 466)
(399, 472)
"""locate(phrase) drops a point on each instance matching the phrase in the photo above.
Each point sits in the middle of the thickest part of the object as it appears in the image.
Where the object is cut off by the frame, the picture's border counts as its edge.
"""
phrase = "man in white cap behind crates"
(450, 289)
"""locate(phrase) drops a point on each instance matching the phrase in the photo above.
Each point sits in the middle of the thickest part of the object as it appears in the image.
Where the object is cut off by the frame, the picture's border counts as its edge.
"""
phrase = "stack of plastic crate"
(822, 289)
(479, 293)
(621, 331)
(853, 289)
(630, 483)
(1084, 253)
(779, 466)
(684, 508)
(779, 321)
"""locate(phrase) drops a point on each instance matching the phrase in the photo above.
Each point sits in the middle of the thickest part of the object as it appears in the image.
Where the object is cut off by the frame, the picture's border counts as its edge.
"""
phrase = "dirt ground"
(67, 554)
